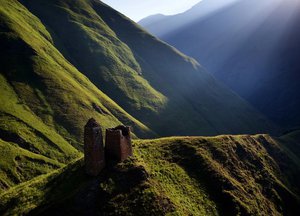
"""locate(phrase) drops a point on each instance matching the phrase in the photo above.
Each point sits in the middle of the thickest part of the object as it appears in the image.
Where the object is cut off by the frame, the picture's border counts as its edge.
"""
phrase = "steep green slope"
(19, 165)
(28, 146)
(44, 100)
(89, 43)
(42, 77)
(151, 80)
(224, 175)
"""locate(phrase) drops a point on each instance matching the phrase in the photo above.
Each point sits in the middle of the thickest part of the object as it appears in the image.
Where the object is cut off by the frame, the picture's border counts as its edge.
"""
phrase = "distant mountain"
(252, 46)
(152, 19)
(160, 24)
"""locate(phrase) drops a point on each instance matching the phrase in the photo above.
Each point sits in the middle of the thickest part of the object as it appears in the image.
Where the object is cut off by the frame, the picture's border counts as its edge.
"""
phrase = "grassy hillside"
(89, 43)
(149, 79)
(61, 62)
(224, 175)
(52, 87)
(45, 101)
(28, 146)
(19, 165)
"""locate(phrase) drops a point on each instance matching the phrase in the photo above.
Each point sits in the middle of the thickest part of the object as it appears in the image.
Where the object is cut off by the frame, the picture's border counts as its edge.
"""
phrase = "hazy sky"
(138, 9)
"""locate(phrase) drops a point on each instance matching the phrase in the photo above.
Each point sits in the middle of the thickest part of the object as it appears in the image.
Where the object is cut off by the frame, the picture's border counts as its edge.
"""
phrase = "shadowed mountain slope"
(151, 80)
(224, 175)
(63, 62)
(251, 46)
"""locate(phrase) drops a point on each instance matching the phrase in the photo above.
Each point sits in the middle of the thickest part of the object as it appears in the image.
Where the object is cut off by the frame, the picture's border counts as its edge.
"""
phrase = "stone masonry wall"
(94, 155)
(118, 143)
(118, 146)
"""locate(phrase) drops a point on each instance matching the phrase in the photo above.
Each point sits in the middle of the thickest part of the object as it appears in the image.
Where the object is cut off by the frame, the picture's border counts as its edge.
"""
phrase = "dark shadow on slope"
(197, 168)
(10, 136)
(284, 159)
(186, 87)
(119, 190)
(179, 78)
(17, 63)
(219, 186)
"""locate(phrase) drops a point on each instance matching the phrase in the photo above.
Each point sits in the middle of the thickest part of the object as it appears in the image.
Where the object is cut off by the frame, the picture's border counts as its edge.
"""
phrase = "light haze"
(139, 9)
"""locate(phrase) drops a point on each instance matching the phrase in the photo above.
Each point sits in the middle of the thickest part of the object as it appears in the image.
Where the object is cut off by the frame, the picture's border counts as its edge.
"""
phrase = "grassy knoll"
(224, 175)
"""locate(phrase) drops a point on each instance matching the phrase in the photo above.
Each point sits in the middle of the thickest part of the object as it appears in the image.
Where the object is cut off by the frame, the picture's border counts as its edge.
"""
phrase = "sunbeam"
(250, 45)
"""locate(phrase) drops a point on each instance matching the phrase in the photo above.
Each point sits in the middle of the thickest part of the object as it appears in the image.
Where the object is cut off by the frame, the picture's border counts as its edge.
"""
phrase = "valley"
(199, 148)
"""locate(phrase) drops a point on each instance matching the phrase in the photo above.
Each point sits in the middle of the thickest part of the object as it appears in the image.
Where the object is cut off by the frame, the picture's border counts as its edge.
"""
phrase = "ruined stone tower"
(118, 143)
(94, 156)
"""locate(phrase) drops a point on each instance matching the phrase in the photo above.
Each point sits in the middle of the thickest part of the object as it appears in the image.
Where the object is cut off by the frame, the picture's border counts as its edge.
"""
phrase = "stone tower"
(118, 143)
(94, 157)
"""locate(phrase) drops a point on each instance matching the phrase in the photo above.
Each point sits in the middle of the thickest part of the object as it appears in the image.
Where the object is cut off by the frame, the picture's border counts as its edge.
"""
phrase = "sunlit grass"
(236, 175)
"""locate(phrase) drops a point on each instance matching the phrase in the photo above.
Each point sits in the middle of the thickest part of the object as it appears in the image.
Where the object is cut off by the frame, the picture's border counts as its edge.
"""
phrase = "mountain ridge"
(251, 46)
(179, 73)
(65, 61)
(173, 175)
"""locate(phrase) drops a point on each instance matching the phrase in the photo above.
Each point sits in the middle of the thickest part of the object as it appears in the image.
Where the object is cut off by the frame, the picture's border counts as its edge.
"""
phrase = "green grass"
(224, 175)
(45, 101)
(113, 197)
(46, 80)
(19, 165)
(187, 194)
(37, 191)
(19, 120)
(96, 51)
(38, 147)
